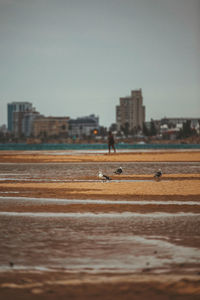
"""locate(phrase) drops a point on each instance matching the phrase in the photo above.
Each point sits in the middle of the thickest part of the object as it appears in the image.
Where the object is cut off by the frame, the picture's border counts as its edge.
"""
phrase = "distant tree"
(103, 131)
(186, 131)
(153, 130)
(2, 137)
(125, 129)
(113, 127)
(145, 130)
(135, 130)
(119, 133)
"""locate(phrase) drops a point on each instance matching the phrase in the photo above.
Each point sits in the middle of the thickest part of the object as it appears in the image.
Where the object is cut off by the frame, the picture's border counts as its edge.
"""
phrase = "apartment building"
(130, 112)
(50, 126)
(16, 111)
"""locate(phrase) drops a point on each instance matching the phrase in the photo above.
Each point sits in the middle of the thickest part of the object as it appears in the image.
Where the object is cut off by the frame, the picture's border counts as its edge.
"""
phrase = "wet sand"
(155, 156)
(177, 190)
(83, 286)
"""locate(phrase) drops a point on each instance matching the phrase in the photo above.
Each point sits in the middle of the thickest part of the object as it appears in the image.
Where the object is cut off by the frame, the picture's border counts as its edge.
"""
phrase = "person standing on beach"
(111, 142)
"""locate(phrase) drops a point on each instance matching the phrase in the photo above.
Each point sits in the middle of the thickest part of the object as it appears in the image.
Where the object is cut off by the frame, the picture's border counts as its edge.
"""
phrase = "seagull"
(103, 177)
(119, 171)
(11, 264)
(158, 175)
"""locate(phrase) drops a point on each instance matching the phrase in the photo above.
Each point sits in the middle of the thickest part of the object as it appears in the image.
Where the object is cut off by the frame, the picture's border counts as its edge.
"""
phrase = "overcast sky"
(78, 57)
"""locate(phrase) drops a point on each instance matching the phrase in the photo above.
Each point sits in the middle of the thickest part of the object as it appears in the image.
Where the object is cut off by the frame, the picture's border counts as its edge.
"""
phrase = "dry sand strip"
(54, 285)
(176, 190)
(108, 190)
(38, 157)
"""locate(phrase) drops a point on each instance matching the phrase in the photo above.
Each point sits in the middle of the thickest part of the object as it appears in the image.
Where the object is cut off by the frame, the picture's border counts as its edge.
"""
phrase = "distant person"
(111, 142)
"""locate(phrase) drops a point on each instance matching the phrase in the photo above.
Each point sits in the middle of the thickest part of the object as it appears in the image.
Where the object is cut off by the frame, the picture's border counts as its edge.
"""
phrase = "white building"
(83, 126)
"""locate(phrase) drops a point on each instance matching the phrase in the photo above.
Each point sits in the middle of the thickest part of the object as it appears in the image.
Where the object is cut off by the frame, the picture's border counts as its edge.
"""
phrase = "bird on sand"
(119, 171)
(158, 175)
(103, 176)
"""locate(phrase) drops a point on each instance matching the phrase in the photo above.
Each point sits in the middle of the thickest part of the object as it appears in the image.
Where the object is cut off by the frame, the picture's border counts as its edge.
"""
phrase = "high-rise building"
(16, 112)
(130, 113)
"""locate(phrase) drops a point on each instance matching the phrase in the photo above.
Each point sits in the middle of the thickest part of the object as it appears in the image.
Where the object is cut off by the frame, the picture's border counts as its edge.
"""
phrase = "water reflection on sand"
(100, 242)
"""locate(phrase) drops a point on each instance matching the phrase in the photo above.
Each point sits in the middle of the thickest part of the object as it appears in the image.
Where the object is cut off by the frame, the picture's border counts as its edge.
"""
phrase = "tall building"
(16, 112)
(27, 122)
(130, 113)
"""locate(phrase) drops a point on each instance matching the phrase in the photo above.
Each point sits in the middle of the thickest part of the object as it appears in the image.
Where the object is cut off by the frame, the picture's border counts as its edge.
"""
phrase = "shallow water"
(74, 171)
(30, 200)
(71, 180)
(99, 242)
(120, 242)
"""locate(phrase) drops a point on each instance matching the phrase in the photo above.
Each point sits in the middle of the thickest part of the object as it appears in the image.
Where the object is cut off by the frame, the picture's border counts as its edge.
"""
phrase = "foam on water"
(166, 254)
(96, 215)
(103, 202)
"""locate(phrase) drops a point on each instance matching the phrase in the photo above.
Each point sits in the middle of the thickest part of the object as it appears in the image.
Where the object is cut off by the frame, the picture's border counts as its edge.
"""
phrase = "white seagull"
(119, 171)
(103, 177)
(158, 175)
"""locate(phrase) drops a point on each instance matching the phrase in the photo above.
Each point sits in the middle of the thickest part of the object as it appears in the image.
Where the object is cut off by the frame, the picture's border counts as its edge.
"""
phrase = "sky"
(75, 58)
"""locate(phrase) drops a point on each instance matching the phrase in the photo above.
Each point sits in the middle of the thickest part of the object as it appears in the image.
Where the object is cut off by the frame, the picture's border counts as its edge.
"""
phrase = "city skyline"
(24, 122)
(78, 58)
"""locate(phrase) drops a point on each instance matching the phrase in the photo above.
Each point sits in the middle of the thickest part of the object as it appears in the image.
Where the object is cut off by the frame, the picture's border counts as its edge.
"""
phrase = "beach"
(65, 233)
